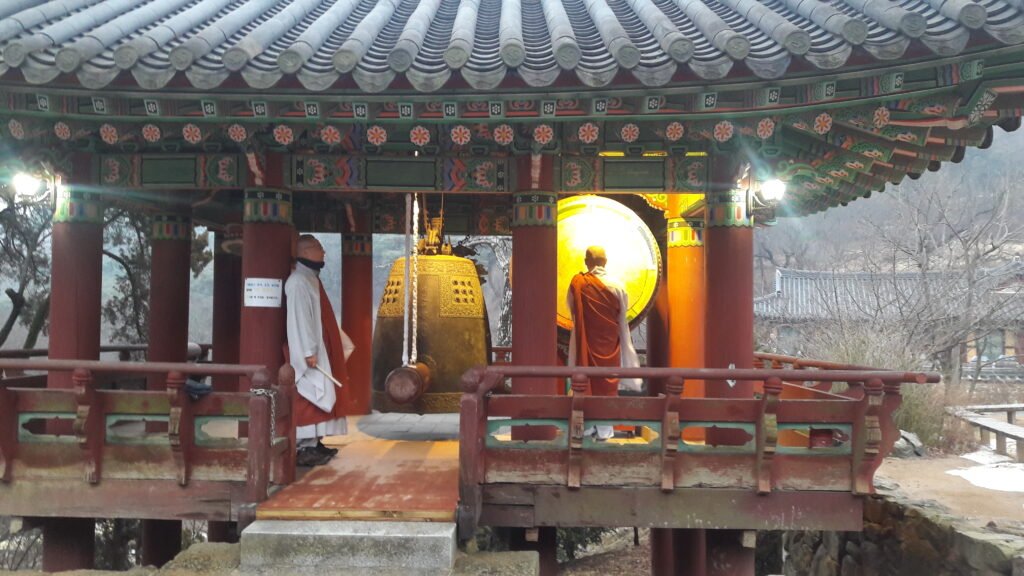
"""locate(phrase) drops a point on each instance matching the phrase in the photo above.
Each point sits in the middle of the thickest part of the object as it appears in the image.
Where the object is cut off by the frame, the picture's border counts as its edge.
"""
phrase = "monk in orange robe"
(600, 334)
(317, 351)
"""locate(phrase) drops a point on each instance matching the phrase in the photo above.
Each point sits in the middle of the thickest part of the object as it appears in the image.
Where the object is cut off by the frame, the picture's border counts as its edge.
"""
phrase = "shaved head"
(595, 257)
(309, 247)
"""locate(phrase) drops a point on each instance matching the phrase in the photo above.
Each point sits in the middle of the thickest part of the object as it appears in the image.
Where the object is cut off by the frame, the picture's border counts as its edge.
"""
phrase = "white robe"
(306, 338)
(627, 356)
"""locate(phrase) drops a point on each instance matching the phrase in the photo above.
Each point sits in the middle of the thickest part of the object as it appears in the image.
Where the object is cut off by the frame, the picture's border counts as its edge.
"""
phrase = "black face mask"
(311, 264)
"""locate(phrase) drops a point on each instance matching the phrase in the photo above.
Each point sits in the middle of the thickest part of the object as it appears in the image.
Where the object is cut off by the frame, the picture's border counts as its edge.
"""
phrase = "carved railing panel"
(836, 442)
(131, 444)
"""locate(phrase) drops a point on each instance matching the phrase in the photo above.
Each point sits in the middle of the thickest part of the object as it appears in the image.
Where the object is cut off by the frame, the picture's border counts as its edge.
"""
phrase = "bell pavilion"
(259, 118)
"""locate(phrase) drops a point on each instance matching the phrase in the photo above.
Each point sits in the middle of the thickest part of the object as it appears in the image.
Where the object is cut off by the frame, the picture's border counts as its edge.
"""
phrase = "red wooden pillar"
(227, 306)
(686, 283)
(171, 257)
(171, 241)
(267, 237)
(227, 313)
(76, 279)
(729, 326)
(729, 238)
(535, 301)
(658, 324)
(658, 329)
(535, 273)
(686, 350)
(357, 314)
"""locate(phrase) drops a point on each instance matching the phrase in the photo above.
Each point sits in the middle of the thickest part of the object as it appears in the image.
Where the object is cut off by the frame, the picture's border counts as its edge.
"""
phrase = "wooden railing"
(977, 417)
(123, 351)
(515, 449)
(86, 452)
(501, 355)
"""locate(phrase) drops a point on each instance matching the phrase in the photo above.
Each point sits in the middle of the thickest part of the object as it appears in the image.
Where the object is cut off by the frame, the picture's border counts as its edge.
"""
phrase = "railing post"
(866, 455)
(260, 428)
(767, 434)
(180, 426)
(890, 404)
(286, 403)
(670, 433)
(472, 438)
(88, 427)
(8, 433)
(576, 421)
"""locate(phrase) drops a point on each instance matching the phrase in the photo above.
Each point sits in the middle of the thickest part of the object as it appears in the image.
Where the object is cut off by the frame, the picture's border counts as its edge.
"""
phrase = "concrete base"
(411, 546)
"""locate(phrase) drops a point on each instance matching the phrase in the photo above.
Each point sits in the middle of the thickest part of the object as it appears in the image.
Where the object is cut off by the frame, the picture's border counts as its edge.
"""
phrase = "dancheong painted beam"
(839, 98)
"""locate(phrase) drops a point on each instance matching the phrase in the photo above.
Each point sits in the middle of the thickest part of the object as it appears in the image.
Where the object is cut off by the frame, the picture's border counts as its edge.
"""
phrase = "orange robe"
(596, 310)
(307, 413)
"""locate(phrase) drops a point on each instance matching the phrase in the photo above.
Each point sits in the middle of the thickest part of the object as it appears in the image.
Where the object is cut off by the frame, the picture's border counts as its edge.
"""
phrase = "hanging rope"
(415, 276)
(405, 283)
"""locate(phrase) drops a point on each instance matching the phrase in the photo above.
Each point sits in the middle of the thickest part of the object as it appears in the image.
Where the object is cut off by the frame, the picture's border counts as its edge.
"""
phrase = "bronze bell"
(453, 335)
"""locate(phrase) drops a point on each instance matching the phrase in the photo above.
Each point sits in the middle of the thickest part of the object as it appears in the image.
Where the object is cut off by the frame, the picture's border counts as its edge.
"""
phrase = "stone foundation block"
(415, 546)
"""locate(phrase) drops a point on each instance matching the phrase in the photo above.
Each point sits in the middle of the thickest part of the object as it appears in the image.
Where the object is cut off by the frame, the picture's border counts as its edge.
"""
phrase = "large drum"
(633, 254)
(453, 336)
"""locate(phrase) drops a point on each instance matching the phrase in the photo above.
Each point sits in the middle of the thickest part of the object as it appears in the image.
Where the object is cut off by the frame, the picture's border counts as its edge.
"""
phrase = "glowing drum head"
(633, 255)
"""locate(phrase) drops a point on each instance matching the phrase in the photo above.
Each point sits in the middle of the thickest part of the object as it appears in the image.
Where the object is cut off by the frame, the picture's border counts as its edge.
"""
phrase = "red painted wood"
(64, 544)
(730, 313)
(375, 479)
(168, 342)
(161, 541)
(267, 254)
(76, 278)
(357, 322)
(534, 284)
(114, 498)
(658, 338)
(726, 556)
(544, 541)
(685, 272)
(168, 305)
(729, 342)
(690, 551)
(227, 312)
(662, 552)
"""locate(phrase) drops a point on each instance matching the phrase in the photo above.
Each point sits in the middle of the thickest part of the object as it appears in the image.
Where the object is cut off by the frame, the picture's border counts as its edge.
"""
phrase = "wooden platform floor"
(398, 467)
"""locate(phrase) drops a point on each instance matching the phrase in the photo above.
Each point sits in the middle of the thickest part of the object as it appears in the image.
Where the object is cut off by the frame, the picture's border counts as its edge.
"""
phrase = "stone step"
(427, 547)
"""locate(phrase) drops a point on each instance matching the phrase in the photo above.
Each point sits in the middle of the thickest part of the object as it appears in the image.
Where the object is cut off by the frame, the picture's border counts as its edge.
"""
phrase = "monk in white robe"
(316, 348)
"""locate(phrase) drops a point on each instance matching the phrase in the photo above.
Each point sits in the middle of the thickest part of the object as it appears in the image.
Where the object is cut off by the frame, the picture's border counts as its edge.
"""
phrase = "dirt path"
(617, 556)
(927, 479)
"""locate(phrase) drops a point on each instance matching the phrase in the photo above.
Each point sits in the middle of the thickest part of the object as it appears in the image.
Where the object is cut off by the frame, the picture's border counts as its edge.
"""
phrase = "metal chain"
(269, 393)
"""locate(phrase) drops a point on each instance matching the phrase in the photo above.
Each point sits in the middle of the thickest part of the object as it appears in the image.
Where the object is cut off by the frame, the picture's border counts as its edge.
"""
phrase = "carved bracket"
(868, 438)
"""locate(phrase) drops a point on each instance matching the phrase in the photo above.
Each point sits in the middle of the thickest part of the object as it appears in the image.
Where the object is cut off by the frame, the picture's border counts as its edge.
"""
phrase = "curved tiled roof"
(804, 295)
(486, 42)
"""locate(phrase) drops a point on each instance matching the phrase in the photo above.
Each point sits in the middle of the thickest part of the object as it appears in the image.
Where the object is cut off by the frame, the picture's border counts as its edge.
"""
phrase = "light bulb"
(26, 185)
(773, 190)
